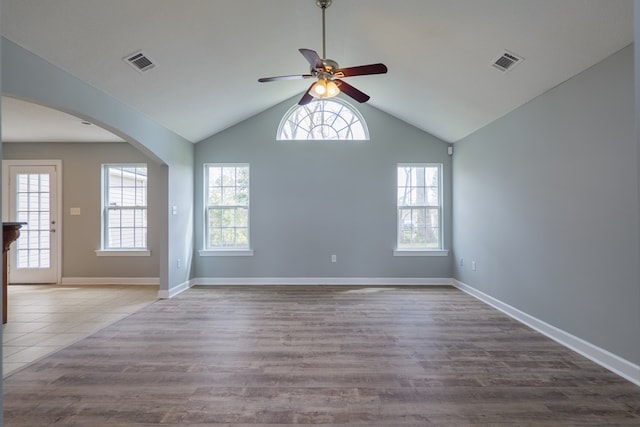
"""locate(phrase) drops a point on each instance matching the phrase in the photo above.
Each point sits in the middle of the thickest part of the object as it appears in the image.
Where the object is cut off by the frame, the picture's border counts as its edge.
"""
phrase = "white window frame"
(315, 118)
(421, 251)
(105, 249)
(240, 250)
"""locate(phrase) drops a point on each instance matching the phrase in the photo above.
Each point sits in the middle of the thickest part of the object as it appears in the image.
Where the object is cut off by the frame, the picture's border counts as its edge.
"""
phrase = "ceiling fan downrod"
(323, 4)
(327, 72)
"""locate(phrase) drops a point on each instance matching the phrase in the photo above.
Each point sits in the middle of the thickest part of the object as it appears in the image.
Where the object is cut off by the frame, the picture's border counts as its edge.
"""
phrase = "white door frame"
(6, 164)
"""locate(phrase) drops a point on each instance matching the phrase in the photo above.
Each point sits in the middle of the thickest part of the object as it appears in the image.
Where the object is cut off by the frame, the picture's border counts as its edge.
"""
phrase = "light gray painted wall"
(179, 181)
(1, 268)
(637, 120)
(29, 77)
(81, 188)
(310, 200)
(546, 202)
(636, 10)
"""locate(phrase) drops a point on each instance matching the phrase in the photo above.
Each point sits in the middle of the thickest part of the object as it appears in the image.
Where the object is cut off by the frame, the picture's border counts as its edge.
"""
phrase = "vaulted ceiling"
(208, 55)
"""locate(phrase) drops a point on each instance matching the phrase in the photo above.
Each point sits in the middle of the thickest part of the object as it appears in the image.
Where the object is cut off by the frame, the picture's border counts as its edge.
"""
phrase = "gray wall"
(1, 268)
(546, 202)
(81, 187)
(29, 77)
(313, 199)
(637, 121)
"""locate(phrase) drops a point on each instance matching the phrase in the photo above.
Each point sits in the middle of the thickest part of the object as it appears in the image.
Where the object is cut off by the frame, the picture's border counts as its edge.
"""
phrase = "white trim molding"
(175, 290)
(602, 357)
(420, 252)
(57, 164)
(152, 281)
(341, 281)
(123, 252)
(225, 252)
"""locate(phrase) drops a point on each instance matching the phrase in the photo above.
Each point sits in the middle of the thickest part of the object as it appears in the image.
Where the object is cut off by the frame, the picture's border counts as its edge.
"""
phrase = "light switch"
(74, 211)
(174, 210)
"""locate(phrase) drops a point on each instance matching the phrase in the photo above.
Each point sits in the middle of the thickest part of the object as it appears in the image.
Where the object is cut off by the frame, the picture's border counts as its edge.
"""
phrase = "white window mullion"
(333, 119)
(124, 187)
(415, 185)
(226, 196)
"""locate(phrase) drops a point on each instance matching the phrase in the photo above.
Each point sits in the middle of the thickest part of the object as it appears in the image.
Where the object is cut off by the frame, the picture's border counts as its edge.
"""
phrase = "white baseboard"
(155, 281)
(175, 290)
(602, 357)
(340, 281)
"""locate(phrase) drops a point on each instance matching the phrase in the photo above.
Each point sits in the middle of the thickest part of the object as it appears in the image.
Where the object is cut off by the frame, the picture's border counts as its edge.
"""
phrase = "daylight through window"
(325, 119)
(227, 206)
(419, 206)
(125, 207)
(33, 192)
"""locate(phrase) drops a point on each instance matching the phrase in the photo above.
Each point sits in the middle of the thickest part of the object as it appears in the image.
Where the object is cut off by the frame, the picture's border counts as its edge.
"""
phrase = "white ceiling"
(210, 53)
(28, 122)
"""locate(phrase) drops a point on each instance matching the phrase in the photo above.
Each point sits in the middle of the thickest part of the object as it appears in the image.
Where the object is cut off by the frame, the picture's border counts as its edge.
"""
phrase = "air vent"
(139, 61)
(507, 61)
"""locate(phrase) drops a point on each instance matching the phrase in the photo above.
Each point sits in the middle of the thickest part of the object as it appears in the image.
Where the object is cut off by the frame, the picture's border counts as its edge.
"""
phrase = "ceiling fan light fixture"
(328, 73)
(332, 89)
(324, 88)
(319, 89)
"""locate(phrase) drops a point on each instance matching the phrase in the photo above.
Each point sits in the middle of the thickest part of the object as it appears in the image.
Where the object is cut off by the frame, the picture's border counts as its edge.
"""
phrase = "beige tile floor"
(45, 318)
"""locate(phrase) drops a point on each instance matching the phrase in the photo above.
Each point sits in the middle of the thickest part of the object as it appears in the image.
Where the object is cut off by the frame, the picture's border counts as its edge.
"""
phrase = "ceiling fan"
(329, 75)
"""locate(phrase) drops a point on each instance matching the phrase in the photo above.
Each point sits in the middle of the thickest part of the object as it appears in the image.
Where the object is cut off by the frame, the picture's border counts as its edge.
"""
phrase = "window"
(227, 206)
(326, 119)
(419, 207)
(124, 207)
(33, 201)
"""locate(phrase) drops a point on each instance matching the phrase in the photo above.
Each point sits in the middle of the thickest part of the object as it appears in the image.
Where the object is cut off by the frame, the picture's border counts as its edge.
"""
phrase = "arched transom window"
(323, 119)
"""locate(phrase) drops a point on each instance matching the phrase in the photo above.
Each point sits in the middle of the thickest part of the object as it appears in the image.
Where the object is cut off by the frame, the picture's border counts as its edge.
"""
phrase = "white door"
(33, 199)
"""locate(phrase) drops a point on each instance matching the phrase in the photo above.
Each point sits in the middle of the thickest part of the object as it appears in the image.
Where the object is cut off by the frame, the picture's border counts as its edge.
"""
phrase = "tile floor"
(45, 318)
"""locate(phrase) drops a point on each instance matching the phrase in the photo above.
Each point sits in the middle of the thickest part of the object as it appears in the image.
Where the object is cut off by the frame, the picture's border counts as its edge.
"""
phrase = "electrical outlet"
(473, 265)
(334, 258)
(179, 263)
(461, 262)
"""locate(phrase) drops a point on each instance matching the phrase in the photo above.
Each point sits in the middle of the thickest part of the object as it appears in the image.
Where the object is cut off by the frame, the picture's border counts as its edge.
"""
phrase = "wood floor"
(406, 356)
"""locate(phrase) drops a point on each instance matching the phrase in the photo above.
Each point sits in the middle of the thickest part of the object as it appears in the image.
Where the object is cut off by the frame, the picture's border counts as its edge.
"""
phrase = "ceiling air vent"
(139, 61)
(507, 61)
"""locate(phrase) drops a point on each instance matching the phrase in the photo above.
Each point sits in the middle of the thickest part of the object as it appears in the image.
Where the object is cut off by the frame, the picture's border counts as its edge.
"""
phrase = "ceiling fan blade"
(306, 98)
(290, 77)
(361, 70)
(352, 91)
(313, 58)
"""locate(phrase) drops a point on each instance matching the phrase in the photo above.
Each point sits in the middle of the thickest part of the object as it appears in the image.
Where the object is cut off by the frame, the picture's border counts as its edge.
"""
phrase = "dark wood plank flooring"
(384, 356)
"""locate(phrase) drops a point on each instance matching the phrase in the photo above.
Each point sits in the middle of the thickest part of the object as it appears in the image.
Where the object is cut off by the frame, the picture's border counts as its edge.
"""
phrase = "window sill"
(226, 252)
(420, 252)
(123, 252)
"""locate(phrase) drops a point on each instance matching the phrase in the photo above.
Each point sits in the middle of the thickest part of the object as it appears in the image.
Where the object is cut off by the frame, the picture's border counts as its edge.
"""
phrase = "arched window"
(323, 119)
